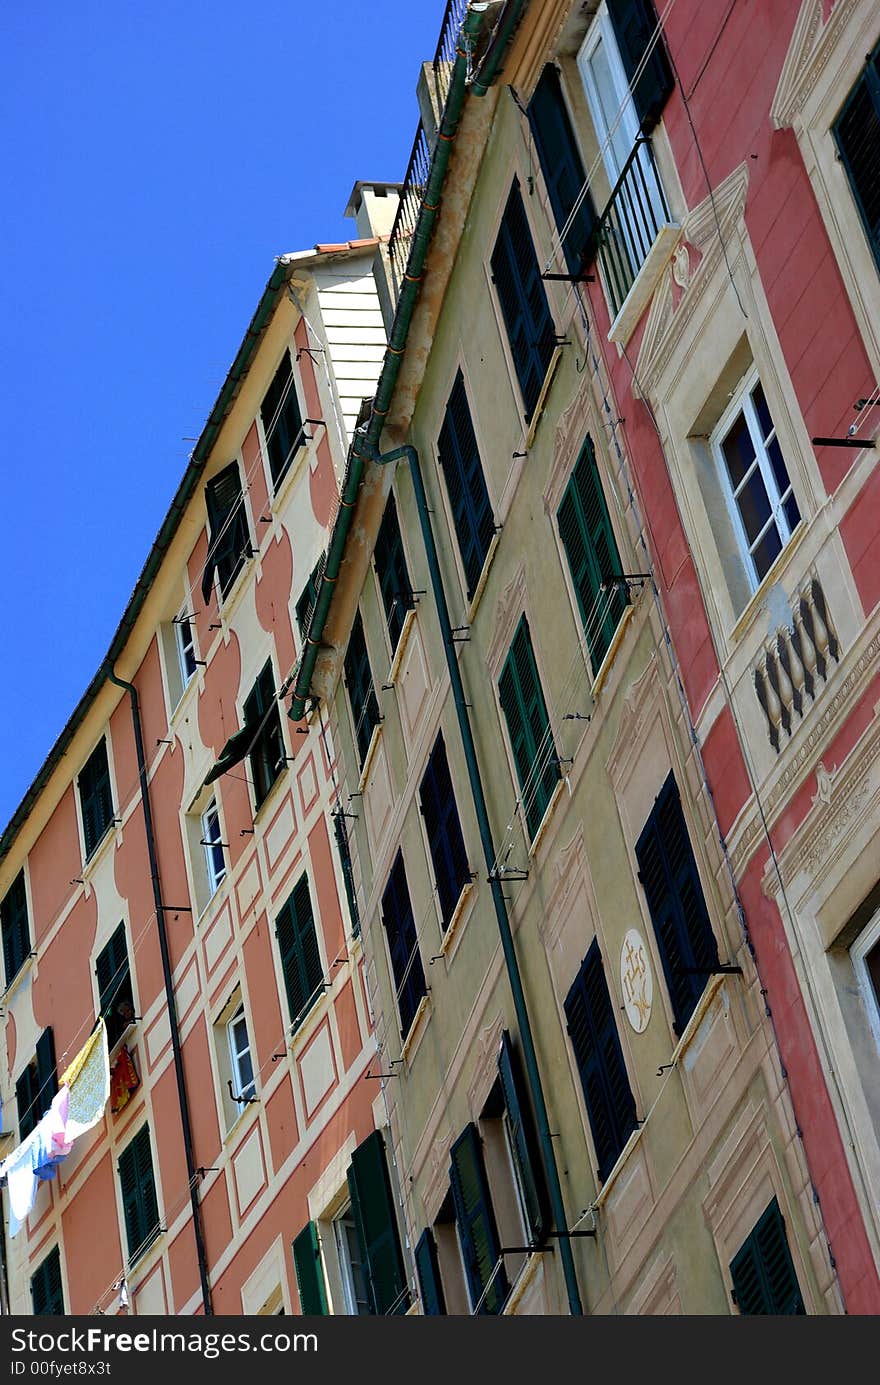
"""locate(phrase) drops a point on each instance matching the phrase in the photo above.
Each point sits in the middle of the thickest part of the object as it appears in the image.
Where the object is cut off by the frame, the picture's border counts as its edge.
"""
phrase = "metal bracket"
(241, 1100)
(571, 278)
(720, 970)
(844, 442)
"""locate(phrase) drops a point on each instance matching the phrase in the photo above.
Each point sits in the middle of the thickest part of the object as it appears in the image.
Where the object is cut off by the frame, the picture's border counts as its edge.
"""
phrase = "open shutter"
(531, 741)
(403, 948)
(476, 1223)
(443, 829)
(394, 583)
(96, 799)
(372, 1205)
(138, 1186)
(857, 133)
(146, 1185)
(634, 23)
(227, 523)
(595, 1041)
(47, 1072)
(131, 1207)
(300, 953)
(308, 596)
(428, 1271)
(562, 167)
(310, 1272)
(15, 929)
(47, 1295)
(530, 1170)
(762, 1271)
(114, 983)
(340, 832)
(359, 682)
(280, 416)
(523, 299)
(465, 485)
(591, 550)
(26, 1089)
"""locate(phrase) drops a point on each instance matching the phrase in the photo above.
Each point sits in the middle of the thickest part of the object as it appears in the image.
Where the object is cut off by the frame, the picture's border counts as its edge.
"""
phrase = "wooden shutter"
(26, 1089)
(589, 1015)
(300, 953)
(340, 832)
(591, 550)
(394, 583)
(469, 501)
(114, 983)
(47, 1294)
(524, 1145)
(372, 1206)
(359, 682)
(138, 1186)
(266, 746)
(524, 306)
(310, 1272)
(476, 1222)
(280, 416)
(47, 1072)
(634, 23)
(668, 873)
(762, 1271)
(562, 168)
(531, 742)
(227, 523)
(857, 133)
(15, 928)
(96, 799)
(403, 947)
(309, 596)
(443, 828)
(428, 1271)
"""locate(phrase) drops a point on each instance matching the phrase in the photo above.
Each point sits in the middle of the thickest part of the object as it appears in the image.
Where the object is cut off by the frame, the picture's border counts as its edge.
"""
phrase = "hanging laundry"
(123, 1080)
(18, 1170)
(88, 1078)
(52, 1143)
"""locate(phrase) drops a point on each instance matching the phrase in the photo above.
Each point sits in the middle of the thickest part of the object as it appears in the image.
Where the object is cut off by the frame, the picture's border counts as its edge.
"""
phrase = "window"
(355, 1283)
(591, 550)
(403, 945)
(668, 873)
(15, 928)
(213, 846)
(282, 423)
(301, 962)
(763, 506)
(522, 1141)
(47, 1295)
(865, 953)
(243, 1083)
(562, 167)
(428, 1272)
(310, 1272)
(764, 1280)
(139, 1206)
(528, 726)
(516, 275)
(611, 1108)
(857, 134)
(116, 998)
(465, 485)
(95, 797)
(340, 832)
(184, 634)
(308, 596)
(394, 583)
(359, 682)
(267, 757)
(443, 830)
(229, 539)
(36, 1088)
(475, 1220)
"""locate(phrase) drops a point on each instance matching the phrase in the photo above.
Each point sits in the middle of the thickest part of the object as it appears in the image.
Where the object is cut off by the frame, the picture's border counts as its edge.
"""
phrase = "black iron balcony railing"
(628, 226)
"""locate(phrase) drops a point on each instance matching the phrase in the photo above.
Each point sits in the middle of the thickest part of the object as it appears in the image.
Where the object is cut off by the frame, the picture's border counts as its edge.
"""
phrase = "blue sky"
(155, 160)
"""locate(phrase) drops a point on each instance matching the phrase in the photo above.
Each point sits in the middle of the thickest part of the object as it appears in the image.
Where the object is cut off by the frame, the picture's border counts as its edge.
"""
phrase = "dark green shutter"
(523, 299)
(634, 23)
(531, 742)
(469, 501)
(26, 1097)
(428, 1271)
(589, 1015)
(261, 717)
(359, 682)
(857, 134)
(114, 983)
(476, 1223)
(47, 1294)
(668, 873)
(372, 1206)
(394, 583)
(15, 928)
(47, 1071)
(562, 168)
(300, 954)
(310, 1272)
(96, 798)
(234, 751)
(403, 945)
(138, 1186)
(340, 832)
(282, 423)
(524, 1145)
(229, 539)
(591, 550)
(763, 1275)
(308, 596)
(443, 830)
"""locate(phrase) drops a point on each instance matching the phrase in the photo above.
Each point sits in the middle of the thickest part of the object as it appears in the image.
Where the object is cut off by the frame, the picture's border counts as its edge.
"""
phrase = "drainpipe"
(191, 1169)
(501, 914)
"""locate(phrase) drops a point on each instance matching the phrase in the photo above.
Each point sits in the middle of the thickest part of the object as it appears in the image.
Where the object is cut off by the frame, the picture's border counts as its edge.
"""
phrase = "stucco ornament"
(681, 266)
(636, 980)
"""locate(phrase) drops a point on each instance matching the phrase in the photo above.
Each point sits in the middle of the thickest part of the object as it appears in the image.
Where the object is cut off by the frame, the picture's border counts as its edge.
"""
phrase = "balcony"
(634, 237)
(795, 663)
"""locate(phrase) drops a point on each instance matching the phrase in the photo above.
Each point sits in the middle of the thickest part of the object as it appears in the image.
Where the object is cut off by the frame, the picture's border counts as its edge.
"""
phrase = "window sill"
(279, 491)
(368, 762)
(548, 814)
(611, 651)
(111, 835)
(643, 285)
(419, 1024)
(542, 397)
(397, 657)
(454, 929)
(266, 802)
(21, 976)
(533, 1263)
(300, 1030)
(144, 1261)
(216, 898)
(241, 1122)
(482, 580)
(753, 609)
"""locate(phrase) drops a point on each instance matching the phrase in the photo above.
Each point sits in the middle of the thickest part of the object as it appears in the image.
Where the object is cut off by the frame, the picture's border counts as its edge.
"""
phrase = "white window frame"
(236, 1054)
(343, 1254)
(868, 939)
(602, 31)
(742, 404)
(185, 625)
(209, 844)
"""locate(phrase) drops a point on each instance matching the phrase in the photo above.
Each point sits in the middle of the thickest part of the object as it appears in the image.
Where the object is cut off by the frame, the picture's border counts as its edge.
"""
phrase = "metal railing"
(628, 226)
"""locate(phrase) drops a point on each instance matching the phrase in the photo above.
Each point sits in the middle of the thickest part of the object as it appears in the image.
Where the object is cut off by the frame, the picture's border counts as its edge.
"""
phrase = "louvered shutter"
(476, 1223)
(857, 133)
(138, 1186)
(114, 982)
(262, 719)
(47, 1072)
(531, 741)
(523, 300)
(372, 1205)
(443, 828)
(394, 583)
(403, 948)
(595, 1041)
(26, 1091)
(591, 550)
(300, 953)
(96, 799)
(674, 895)
(634, 23)
(465, 485)
(530, 1169)
(359, 682)
(308, 596)
(15, 928)
(428, 1271)
(762, 1271)
(47, 1295)
(340, 832)
(227, 523)
(310, 1272)
(280, 416)
(562, 168)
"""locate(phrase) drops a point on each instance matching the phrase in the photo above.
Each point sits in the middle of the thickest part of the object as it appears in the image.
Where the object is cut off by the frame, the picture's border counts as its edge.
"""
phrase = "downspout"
(191, 1169)
(501, 914)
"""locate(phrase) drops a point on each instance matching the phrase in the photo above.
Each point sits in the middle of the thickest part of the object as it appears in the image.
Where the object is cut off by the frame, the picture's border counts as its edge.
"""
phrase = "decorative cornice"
(813, 41)
(486, 1066)
(507, 611)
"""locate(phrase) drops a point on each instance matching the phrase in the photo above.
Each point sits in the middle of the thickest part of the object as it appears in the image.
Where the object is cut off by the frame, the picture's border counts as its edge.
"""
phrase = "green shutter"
(308, 596)
(138, 1185)
(372, 1206)
(528, 726)
(634, 23)
(523, 299)
(562, 167)
(428, 1271)
(47, 1294)
(47, 1071)
(262, 719)
(762, 1271)
(592, 1028)
(114, 983)
(282, 423)
(229, 539)
(394, 583)
(300, 954)
(15, 928)
(469, 500)
(340, 832)
(857, 134)
(96, 798)
(591, 550)
(26, 1089)
(310, 1272)
(359, 682)
(476, 1223)
(524, 1147)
